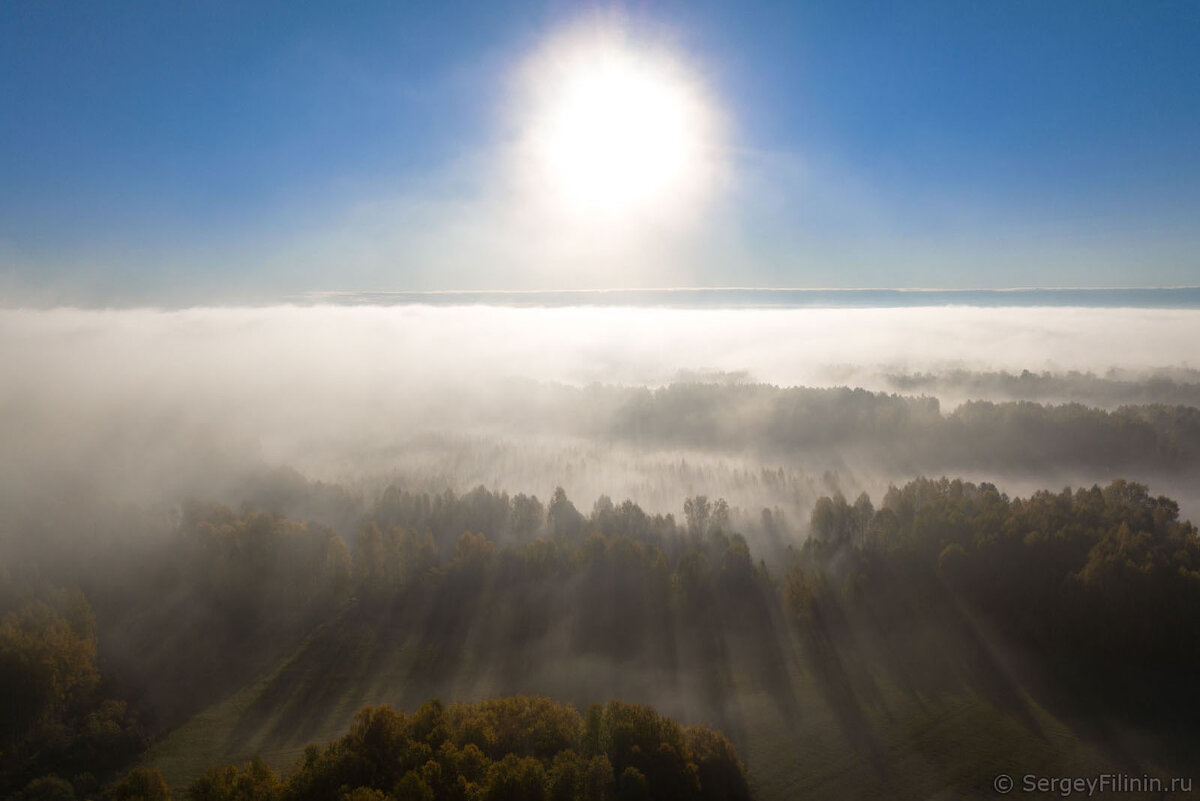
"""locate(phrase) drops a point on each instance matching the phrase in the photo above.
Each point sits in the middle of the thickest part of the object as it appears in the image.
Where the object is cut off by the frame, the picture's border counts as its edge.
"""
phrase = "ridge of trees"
(522, 748)
(911, 431)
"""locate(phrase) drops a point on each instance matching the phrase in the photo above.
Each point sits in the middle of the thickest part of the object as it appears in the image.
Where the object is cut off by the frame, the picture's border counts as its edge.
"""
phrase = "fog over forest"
(734, 515)
(599, 401)
(151, 406)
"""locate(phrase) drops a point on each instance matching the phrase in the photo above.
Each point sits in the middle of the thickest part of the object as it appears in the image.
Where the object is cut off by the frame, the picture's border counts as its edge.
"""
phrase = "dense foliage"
(520, 748)
(1096, 591)
(56, 716)
(1083, 601)
(516, 748)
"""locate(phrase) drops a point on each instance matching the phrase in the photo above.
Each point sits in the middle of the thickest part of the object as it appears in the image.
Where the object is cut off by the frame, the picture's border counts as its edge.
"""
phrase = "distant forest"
(1174, 387)
(911, 432)
(1081, 605)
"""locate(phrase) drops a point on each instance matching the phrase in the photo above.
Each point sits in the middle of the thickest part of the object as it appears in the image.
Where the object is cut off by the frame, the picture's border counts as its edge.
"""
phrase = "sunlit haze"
(589, 401)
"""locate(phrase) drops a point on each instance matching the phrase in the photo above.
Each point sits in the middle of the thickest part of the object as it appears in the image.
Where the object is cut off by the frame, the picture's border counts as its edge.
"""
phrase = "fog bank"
(147, 405)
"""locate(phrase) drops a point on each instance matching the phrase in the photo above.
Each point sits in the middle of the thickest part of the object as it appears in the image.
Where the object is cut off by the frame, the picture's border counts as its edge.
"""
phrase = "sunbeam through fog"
(599, 402)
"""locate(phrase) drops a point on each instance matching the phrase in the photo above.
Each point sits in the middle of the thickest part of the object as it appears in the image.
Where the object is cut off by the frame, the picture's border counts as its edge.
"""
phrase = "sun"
(618, 136)
(616, 131)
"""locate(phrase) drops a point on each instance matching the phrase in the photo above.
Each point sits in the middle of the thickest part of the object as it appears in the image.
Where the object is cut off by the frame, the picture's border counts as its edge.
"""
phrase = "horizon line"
(584, 290)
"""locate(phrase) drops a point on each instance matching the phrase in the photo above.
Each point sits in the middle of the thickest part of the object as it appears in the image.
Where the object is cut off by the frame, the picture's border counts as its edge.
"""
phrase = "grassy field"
(893, 744)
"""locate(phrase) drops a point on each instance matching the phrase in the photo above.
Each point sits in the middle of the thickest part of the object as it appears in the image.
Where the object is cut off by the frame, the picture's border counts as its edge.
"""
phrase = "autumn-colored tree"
(253, 781)
(143, 784)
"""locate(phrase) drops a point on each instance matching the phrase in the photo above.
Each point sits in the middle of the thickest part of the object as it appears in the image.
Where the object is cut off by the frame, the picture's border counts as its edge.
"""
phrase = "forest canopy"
(1062, 601)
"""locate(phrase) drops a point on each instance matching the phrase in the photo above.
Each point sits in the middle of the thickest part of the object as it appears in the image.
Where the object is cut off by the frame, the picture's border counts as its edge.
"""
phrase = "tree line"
(1083, 599)
(518, 748)
(1174, 387)
(911, 432)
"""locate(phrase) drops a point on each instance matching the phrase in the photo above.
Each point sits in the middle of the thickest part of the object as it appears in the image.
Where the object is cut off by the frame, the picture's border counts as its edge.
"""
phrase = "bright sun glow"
(616, 133)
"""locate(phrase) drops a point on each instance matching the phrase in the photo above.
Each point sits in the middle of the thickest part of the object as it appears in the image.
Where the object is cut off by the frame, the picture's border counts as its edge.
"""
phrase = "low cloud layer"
(145, 405)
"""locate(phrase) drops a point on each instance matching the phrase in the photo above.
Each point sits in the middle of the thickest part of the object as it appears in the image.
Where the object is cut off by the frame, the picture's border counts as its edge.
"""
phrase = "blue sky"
(210, 152)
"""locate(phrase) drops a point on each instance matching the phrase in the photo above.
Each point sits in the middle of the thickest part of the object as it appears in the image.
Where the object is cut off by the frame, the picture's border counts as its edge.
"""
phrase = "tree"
(599, 782)
(565, 782)
(473, 552)
(720, 520)
(141, 784)
(526, 515)
(563, 519)
(253, 781)
(47, 788)
(633, 786)
(46, 664)
(697, 511)
(515, 778)
(412, 787)
(367, 794)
